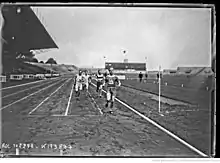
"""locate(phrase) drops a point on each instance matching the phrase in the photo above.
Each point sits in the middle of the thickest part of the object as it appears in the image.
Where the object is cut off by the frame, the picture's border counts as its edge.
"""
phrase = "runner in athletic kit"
(100, 82)
(112, 82)
(78, 83)
(86, 78)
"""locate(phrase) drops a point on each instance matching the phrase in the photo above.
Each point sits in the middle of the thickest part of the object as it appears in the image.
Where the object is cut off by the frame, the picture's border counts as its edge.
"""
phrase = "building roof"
(23, 31)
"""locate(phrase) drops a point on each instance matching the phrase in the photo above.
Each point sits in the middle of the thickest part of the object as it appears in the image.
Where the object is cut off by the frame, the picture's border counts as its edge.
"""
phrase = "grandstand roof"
(23, 31)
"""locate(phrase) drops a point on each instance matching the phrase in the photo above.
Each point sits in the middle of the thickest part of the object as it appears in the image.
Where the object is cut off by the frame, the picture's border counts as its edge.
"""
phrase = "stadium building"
(127, 70)
(126, 67)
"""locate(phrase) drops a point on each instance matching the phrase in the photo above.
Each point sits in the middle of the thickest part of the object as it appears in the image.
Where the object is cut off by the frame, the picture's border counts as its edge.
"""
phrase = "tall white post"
(159, 87)
(17, 151)
(146, 64)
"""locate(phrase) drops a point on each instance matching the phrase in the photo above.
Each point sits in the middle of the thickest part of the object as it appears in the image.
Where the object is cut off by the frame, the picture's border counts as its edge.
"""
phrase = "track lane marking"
(71, 93)
(29, 95)
(47, 97)
(75, 115)
(160, 127)
(25, 90)
(90, 96)
(26, 84)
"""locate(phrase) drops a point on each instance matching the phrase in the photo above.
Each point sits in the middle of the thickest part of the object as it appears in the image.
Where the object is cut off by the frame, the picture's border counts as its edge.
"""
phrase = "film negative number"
(5, 146)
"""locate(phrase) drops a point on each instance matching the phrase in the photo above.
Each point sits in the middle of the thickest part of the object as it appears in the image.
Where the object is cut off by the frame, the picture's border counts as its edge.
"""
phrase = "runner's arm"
(74, 79)
(118, 81)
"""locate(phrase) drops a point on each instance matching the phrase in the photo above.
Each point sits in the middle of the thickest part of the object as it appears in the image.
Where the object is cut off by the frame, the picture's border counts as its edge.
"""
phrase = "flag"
(124, 52)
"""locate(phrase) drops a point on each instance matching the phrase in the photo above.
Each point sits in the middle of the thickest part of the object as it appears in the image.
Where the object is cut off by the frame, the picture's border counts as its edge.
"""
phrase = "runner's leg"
(100, 91)
(77, 89)
(87, 87)
(108, 96)
(113, 93)
(97, 86)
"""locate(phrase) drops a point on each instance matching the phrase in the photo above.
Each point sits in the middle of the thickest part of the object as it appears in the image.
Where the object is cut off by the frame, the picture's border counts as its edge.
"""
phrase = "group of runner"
(106, 79)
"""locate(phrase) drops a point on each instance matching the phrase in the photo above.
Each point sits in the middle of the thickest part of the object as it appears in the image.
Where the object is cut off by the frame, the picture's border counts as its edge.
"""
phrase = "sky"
(169, 37)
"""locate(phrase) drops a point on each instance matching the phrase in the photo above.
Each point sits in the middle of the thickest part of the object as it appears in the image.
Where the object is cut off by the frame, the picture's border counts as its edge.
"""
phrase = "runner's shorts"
(111, 90)
(99, 85)
(78, 86)
(86, 85)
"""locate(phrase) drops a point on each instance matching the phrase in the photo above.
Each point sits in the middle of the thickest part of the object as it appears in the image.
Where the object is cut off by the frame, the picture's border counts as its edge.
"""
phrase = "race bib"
(111, 81)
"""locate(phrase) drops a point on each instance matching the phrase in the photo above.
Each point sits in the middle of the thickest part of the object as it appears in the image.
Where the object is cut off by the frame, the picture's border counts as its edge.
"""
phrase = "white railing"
(16, 77)
(3, 79)
(29, 76)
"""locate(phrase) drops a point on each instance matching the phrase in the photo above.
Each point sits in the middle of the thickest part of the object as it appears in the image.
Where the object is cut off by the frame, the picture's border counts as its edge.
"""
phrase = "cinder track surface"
(53, 115)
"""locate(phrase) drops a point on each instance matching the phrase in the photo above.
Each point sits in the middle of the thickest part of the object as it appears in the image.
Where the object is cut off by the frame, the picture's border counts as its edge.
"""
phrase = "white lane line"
(182, 110)
(61, 115)
(26, 84)
(28, 96)
(23, 90)
(47, 97)
(100, 111)
(71, 93)
(160, 127)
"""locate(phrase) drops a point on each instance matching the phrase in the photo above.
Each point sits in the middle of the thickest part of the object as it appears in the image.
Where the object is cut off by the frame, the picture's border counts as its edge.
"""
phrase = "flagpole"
(159, 87)
(104, 61)
(146, 64)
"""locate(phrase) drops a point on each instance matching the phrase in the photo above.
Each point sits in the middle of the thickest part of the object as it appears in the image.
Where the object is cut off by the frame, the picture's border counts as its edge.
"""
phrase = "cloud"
(65, 54)
(167, 37)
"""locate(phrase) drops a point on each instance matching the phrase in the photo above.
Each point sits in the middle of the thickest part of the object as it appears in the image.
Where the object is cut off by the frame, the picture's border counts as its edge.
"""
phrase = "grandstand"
(169, 71)
(194, 71)
(127, 69)
(22, 33)
(23, 30)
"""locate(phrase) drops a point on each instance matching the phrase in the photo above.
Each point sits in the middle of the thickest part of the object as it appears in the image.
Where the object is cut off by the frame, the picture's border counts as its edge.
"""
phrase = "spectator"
(146, 75)
(158, 75)
(140, 76)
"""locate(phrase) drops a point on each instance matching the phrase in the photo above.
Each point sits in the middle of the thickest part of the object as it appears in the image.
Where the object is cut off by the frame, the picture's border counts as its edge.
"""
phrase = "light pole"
(124, 54)
(159, 83)
(159, 88)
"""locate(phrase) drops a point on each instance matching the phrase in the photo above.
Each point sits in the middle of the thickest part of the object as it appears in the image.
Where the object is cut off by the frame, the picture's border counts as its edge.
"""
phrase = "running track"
(48, 112)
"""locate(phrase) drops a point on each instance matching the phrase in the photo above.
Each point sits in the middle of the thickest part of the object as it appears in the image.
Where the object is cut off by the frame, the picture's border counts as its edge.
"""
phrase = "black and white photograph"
(107, 80)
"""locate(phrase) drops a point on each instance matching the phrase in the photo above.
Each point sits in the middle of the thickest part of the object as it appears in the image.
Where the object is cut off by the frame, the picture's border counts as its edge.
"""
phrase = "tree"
(34, 60)
(51, 61)
(28, 54)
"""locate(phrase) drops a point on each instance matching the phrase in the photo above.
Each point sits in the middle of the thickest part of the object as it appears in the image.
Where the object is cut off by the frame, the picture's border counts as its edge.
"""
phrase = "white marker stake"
(61, 152)
(159, 88)
(17, 151)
